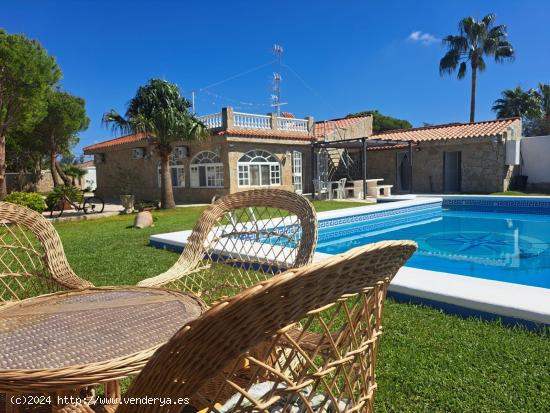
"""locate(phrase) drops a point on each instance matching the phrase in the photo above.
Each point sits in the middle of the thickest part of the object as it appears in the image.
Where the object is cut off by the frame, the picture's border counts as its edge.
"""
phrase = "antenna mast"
(276, 96)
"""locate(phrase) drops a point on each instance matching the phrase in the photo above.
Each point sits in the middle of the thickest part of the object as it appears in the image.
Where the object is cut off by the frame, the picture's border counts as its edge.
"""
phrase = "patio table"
(59, 342)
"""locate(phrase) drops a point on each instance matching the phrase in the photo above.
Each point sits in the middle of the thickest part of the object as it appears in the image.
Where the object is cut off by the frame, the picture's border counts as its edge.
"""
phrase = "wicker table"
(60, 342)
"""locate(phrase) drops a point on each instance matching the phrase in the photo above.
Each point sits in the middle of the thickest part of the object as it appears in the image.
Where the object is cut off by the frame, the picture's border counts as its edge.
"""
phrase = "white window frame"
(213, 170)
(297, 171)
(257, 159)
(177, 165)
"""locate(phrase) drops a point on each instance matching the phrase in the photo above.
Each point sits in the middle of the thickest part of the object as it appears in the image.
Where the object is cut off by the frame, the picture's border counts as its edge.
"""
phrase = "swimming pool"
(502, 247)
(471, 261)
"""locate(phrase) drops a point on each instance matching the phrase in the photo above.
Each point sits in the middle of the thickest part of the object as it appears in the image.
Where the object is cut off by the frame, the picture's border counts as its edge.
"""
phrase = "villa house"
(243, 151)
(250, 151)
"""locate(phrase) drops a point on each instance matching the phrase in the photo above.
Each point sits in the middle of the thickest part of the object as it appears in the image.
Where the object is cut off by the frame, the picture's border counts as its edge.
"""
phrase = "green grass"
(109, 251)
(429, 361)
(518, 193)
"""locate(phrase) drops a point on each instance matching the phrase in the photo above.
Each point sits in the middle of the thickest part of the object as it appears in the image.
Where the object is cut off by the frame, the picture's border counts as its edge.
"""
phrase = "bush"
(31, 200)
(144, 203)
(71, 192)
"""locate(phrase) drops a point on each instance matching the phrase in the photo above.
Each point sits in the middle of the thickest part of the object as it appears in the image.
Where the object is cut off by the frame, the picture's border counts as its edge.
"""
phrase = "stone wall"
(355, 130)
(121, 173)
(29, 182)
(483, 165)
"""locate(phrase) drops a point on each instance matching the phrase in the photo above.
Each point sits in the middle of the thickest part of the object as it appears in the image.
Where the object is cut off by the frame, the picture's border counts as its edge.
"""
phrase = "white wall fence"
(535, 162)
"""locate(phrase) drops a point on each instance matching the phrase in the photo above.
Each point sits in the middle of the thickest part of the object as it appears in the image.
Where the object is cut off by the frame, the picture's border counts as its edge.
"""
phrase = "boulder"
(143, 219)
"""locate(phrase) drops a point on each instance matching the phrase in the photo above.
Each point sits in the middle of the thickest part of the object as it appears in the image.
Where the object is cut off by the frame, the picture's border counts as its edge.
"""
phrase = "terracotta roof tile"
(268, 133)
(323, 128)
(86, 164)
(117, 141)
(449, 131)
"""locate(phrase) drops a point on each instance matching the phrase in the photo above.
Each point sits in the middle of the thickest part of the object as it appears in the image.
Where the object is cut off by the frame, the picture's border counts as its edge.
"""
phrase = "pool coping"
(508, 300)
(454, 293)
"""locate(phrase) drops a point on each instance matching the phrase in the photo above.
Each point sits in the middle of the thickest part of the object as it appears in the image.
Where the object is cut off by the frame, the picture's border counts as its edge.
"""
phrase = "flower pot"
(127, 202)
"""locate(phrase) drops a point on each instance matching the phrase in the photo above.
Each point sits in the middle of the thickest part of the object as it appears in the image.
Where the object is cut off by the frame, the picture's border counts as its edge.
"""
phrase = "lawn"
(519, 193)
(429, 361)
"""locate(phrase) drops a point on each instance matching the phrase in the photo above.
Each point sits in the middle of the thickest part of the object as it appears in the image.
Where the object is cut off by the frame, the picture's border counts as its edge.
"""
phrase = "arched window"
(206, 170)
(177, 170)
(259, 168)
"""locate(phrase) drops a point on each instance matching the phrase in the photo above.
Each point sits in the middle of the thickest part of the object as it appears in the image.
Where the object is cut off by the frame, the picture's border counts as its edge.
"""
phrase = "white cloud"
(426, 39)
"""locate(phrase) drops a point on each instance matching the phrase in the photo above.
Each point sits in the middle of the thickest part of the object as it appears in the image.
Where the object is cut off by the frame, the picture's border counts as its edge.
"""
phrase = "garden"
(429, 361)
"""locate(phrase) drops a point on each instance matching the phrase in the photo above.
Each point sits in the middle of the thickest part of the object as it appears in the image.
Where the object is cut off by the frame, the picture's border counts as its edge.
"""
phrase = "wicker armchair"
(338, 301)
(240, 240)
(32, 260)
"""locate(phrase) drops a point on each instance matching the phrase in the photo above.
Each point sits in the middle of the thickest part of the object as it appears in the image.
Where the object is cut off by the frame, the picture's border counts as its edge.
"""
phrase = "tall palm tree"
(544, 93)
(520, 103)
(542, 125)
(159, 110)
(475, 40)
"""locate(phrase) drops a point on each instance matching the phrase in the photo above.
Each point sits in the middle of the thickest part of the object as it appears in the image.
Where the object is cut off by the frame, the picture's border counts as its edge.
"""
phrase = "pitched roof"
(326, 127)
(86, 164)
(136, 137)
(449, 131)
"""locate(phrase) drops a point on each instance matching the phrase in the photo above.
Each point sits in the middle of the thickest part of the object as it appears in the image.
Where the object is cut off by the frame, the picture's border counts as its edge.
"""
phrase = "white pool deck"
(475, 295)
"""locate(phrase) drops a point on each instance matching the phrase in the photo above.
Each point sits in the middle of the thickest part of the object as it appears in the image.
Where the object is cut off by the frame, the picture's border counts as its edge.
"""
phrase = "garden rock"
(143, 219)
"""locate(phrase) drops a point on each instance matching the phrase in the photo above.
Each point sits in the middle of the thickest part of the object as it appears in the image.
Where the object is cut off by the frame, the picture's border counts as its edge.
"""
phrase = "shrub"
(71, 192)
(145, 203)
(31, 200)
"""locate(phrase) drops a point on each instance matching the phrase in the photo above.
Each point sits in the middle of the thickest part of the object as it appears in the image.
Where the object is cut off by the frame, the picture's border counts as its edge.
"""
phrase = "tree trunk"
(166, 192)
(66, 179)
(473, 95)
(55, 176)
(3, 187)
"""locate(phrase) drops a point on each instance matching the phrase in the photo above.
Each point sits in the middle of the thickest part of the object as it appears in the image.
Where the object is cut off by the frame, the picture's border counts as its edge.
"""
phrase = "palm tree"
(518, 103)
(475, 40)
(544, 93)
(75, 173)
(159, 110)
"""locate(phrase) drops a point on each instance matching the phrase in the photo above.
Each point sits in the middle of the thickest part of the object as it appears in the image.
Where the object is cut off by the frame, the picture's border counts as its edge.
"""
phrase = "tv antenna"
(276, 88)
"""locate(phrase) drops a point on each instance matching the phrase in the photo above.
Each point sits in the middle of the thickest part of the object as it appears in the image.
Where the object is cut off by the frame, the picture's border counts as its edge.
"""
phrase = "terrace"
(228, 119)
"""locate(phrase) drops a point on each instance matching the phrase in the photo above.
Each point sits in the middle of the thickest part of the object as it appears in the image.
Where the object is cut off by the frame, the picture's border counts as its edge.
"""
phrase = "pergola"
(362, 145)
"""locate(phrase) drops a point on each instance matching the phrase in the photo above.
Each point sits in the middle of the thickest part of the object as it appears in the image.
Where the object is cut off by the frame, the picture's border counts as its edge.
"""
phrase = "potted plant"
(127, 202)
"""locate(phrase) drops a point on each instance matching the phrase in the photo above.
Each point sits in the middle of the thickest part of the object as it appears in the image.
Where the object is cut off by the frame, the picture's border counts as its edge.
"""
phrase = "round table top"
(91, 326)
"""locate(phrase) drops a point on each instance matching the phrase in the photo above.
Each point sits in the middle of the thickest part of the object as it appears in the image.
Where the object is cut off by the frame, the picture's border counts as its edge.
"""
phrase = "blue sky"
(345, 56)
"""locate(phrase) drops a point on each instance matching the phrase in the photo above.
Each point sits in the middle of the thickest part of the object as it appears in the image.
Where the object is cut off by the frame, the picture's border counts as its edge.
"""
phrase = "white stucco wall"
(535, 153)
(90, 179)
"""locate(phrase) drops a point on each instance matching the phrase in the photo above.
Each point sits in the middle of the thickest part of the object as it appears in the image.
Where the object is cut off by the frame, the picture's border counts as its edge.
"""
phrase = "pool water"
(497, 246)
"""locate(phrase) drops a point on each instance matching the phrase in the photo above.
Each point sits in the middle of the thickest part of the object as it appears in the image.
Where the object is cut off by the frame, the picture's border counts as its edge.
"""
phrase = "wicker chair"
(32, 260)
(325, 365)
(242, 239)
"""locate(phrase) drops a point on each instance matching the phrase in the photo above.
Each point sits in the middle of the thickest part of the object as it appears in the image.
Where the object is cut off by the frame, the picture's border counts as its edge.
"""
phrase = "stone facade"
(483, 168)
(120, 173)
(483, 163)
(29, 182)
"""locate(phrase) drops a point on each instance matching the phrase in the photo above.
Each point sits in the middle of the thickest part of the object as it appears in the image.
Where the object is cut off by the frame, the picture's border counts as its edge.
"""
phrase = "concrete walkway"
(72, 215)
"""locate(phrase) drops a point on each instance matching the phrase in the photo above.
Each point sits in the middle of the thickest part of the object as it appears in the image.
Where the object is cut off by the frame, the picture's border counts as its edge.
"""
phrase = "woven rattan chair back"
(32, 260)
(242, 239)
(319, 325)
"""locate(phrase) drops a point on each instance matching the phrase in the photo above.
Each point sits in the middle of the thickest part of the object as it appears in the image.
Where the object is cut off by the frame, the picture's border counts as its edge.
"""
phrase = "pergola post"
(410, 168)
(313, 163)
(364, 164)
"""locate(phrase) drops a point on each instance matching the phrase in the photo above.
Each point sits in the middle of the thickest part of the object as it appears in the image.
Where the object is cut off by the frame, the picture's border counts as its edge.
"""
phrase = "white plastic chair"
(340, 192)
